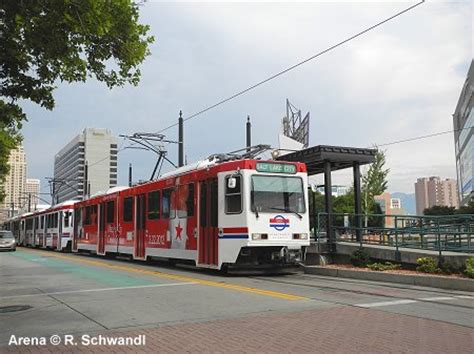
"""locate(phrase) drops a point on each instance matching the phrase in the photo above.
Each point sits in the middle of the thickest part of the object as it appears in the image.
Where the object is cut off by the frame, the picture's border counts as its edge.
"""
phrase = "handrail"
(432, 232)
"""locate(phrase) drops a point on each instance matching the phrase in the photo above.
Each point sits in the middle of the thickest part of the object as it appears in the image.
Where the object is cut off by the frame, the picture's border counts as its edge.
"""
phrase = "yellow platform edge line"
(184, 278)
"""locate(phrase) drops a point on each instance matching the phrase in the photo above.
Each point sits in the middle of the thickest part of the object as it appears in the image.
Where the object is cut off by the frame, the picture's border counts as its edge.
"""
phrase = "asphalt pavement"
(45, 294)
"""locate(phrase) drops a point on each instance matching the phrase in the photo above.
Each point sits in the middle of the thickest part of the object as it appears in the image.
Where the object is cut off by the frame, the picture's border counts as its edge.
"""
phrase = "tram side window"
(42, 221)
(233, 196)
(128, 209)
(203, 204)
(66, 218)
(186, 193)
(214, 204)
(154, 205)
(110, 212)
(167, 211)
(29, 224)
(91, 215)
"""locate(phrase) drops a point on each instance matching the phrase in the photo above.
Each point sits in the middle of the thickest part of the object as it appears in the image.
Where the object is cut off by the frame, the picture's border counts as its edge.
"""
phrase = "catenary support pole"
(249, 134)
(180, 140)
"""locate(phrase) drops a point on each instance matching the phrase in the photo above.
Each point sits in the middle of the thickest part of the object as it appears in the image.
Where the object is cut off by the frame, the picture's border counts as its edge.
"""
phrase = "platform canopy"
(339, 157)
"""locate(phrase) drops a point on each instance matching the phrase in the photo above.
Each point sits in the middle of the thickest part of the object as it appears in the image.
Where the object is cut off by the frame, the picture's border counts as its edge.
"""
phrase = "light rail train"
(218, 213)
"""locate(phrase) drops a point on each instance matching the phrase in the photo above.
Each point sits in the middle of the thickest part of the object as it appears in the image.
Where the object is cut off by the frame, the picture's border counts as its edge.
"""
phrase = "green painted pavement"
(101, 275)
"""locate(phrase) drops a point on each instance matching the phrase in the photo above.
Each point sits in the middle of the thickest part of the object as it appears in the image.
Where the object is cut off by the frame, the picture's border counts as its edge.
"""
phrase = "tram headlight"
(302, 236)
(256, 237)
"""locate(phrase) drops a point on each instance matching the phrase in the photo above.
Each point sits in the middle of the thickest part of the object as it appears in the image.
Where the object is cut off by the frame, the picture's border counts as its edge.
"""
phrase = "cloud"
(400, 80)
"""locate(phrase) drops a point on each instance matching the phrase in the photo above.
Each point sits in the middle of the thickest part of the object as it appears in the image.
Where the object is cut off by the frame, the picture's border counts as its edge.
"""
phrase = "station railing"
(454, 233)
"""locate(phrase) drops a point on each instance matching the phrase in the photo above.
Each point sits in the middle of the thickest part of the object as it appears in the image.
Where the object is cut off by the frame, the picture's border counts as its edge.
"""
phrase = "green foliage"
(466, 209)
(439, 210)
(374, 182)
(449, 267)
(360, 258)
(427, 265)
(47, 41)
(344, 203)
(384, 266)
(469, 270)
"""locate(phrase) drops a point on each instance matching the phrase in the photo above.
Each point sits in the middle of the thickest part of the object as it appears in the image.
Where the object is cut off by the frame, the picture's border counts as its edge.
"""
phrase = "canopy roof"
(340, 157)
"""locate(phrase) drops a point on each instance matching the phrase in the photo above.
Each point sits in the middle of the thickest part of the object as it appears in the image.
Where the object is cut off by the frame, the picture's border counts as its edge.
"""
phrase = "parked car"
(7, 241)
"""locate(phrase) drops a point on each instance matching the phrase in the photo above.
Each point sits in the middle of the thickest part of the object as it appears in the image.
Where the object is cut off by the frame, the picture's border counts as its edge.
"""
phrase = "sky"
(399, 81)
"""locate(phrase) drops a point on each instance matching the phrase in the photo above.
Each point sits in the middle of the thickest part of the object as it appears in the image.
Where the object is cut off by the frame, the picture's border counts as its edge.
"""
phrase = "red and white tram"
(49, 228)
(215, 213)
(212, 213)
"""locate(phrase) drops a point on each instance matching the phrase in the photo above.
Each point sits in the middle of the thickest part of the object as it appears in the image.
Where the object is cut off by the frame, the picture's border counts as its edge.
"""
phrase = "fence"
(453, 233)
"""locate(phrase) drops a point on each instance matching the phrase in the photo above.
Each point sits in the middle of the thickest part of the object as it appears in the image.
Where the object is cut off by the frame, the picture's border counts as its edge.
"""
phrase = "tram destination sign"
(275, 167)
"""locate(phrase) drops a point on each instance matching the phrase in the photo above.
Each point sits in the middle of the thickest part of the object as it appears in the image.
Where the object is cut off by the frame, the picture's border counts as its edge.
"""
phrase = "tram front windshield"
(277, 193)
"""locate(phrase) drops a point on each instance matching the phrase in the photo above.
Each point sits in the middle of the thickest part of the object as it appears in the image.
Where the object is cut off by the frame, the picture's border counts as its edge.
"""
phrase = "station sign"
(270, 167)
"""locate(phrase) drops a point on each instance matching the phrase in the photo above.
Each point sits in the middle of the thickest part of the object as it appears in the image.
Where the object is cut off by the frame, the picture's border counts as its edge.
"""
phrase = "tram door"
(60, 230)
(101, 240)
(140, 218)
(208, 230)
(77, 227)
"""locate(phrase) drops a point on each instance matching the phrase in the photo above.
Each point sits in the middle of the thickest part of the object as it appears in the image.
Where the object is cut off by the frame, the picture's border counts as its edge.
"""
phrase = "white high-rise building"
(14, 185)
(32, 189)
(89, 161)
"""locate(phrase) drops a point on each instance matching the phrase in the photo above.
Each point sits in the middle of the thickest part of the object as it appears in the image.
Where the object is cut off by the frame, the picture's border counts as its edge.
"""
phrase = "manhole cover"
(16, 308)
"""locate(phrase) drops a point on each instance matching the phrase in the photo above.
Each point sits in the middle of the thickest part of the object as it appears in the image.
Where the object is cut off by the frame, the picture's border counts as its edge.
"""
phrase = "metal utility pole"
(129, 174)
(249, 134)
(180, 140)
(29, 202)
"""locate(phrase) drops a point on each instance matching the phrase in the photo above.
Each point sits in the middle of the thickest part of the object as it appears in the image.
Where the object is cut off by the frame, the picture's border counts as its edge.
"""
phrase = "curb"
(418, 280)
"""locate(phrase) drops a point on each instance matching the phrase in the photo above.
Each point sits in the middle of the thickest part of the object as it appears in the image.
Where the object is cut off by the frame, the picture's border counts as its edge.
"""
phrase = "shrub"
(384, 266)
(449, 268)
(427, 265)
(469, 271)
(360, 258)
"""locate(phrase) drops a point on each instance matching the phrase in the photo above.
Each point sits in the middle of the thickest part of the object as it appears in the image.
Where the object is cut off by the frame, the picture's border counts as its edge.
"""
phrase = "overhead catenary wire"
(423, 136)
(282, 72)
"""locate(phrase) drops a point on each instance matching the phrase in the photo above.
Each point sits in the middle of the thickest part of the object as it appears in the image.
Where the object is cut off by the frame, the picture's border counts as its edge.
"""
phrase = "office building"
(435, 191)
(86, 165)
(32, 190)
(14, 185)
(463, 121)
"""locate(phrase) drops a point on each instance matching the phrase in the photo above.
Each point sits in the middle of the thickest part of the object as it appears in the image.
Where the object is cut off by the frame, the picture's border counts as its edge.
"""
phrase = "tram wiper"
(287, 210)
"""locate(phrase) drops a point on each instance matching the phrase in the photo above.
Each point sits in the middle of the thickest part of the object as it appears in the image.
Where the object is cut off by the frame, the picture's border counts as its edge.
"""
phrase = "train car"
(216, 213)
(29, 229)
(57, 223)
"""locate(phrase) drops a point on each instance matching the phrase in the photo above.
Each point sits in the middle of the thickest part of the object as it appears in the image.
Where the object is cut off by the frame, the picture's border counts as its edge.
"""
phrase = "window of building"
(154, 205)
(128, 209)
(233, 196)
(110, 212)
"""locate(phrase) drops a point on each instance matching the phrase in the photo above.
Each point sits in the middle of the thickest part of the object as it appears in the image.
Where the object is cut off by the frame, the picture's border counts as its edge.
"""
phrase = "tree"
(466, 209)
(439, 210)
(43, 42)
(374, 182)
